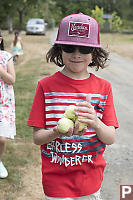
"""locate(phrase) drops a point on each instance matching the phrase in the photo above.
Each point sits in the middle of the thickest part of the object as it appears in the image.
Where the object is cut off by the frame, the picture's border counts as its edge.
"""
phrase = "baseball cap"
(78, 29)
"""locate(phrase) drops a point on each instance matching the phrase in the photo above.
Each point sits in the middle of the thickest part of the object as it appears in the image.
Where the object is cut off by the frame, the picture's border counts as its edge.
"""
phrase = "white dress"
(17, 50)
(7, 102)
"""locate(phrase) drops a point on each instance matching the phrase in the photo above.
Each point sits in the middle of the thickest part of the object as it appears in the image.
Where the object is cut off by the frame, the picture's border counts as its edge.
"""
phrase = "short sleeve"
(8, 56)
(37, 113)
(109, 114)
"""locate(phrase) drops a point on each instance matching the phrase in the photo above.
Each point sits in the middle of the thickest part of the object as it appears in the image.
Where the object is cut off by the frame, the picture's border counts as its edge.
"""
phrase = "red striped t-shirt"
(72, 166)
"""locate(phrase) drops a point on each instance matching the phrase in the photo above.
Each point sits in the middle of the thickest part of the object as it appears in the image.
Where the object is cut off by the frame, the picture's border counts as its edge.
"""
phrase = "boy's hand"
(77, 132)
(85, 109)
(68, 134)
(71, 132)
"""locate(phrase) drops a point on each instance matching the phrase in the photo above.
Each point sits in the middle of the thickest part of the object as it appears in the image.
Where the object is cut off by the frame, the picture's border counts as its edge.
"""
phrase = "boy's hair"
(99, 57)
(2, 42)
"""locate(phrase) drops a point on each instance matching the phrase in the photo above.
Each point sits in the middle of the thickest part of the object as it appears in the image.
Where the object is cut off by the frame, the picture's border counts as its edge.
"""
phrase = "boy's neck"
(76, 76)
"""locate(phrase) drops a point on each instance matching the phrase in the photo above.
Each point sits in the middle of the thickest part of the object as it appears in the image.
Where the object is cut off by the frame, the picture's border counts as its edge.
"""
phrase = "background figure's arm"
(9, 76)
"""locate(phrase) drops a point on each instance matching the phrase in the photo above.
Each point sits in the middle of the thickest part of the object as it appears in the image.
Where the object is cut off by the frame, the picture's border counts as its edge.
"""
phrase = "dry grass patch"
(122, 44)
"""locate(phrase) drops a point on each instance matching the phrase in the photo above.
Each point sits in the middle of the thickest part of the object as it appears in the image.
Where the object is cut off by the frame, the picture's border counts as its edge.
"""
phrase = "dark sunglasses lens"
(68, 48)
(86, 50)
(72, 48)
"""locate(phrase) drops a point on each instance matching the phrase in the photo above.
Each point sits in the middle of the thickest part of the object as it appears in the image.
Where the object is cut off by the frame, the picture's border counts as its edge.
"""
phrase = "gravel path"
(119, 156)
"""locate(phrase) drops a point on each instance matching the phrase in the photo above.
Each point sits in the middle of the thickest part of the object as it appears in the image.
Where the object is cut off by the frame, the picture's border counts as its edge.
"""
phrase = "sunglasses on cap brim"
(72, 49)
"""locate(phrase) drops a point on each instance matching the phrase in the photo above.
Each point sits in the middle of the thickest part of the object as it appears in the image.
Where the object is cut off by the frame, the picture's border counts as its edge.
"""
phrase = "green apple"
(81, 124)
(64, 124)
(70, 112)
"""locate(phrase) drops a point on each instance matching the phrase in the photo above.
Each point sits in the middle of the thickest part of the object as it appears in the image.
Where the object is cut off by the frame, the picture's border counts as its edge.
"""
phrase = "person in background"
(73, 162)
(7, 102)
(17, 47)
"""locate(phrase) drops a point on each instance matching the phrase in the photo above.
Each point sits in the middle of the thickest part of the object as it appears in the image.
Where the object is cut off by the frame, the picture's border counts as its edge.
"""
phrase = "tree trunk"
(20, 12)
(10, 27)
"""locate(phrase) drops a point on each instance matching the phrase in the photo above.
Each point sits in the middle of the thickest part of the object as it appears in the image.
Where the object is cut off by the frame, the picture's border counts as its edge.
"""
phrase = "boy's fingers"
(70, 132)
(88, 98)
(76, 129)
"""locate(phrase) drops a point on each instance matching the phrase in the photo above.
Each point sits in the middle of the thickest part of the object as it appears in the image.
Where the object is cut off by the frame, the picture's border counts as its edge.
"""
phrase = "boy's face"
(76, 62)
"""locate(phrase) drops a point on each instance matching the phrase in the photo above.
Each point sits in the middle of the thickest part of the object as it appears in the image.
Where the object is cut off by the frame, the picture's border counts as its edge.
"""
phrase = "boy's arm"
(105, 133)
(42, 136)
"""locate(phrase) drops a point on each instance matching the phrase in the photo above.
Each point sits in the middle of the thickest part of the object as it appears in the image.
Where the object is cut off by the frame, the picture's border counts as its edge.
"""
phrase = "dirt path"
(119, 156)
(32, 187)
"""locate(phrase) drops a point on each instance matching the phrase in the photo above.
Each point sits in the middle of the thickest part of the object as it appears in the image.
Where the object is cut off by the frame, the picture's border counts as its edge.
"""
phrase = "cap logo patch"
(79, 29)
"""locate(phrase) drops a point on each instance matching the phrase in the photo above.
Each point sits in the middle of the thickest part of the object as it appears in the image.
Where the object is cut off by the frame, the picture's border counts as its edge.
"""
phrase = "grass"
(21, 153)
(24, 92)
(116, 38)
(122, 44)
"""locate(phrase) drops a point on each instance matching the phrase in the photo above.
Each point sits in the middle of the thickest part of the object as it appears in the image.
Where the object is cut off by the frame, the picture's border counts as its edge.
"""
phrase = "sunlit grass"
(24, 92)
(122, 44)
(116, 38)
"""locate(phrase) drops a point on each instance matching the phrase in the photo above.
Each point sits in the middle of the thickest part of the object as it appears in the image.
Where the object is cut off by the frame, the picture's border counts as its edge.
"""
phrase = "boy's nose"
(76, 52)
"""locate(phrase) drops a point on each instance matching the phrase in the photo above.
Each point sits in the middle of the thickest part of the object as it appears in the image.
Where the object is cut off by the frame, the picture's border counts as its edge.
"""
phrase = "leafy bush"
(116, 22)
(98, 15)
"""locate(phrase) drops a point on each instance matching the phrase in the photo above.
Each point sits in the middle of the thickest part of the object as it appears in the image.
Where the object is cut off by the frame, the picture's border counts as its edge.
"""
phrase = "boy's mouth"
(73, 61)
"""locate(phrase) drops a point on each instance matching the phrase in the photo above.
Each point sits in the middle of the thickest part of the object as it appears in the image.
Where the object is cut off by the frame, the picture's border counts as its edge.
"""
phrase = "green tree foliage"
(71, 7)
(17, 8)
(22, 10)
(115, 22)
(98, 15)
